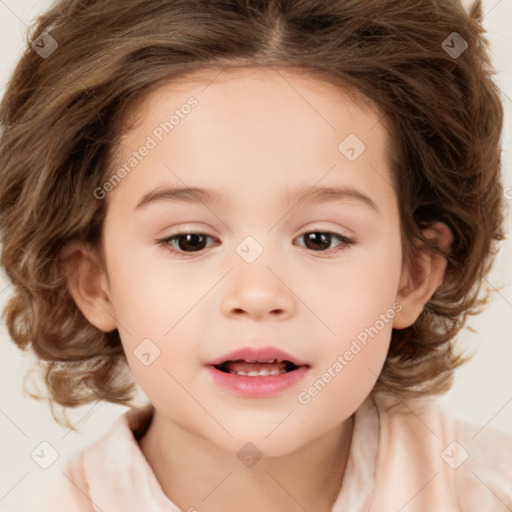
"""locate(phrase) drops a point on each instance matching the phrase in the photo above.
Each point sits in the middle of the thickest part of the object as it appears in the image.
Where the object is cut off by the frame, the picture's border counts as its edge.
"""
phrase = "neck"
(197, 475)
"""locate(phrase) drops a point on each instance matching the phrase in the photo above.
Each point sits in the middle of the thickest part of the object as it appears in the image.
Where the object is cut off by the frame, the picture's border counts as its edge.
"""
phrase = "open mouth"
(256, 368)
(261, 372)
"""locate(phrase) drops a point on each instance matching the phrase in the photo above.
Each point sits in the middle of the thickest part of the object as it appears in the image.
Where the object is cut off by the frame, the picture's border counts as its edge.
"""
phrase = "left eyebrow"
(309, 195)
(319, 195)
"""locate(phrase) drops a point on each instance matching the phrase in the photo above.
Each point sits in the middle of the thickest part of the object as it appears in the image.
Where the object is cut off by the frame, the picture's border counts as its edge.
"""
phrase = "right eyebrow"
(181, 194)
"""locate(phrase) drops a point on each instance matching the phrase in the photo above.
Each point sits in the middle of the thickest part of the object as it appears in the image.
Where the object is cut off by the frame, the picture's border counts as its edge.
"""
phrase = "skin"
(255, 134)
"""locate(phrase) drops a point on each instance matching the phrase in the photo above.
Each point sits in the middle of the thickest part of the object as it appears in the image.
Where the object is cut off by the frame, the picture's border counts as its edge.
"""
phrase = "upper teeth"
(259, 373)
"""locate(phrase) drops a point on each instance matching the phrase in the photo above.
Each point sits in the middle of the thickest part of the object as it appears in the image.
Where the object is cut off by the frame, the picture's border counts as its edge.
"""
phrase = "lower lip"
(257, 387)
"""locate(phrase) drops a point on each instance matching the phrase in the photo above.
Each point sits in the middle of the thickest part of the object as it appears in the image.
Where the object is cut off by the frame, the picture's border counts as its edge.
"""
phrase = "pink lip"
(260, 354)
(257, 386)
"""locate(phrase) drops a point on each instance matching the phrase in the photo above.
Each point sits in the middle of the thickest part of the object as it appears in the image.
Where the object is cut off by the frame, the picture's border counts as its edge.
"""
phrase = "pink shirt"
(413, 458)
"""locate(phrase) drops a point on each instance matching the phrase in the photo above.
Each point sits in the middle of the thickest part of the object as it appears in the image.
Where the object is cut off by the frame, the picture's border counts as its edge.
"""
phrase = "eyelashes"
(179, 243)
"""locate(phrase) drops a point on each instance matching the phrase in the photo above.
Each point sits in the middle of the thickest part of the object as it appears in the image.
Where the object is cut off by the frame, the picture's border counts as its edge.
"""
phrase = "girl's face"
(286, 161)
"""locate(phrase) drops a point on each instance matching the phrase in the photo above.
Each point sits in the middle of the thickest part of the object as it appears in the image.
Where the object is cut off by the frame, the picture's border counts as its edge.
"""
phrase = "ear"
(419, 282)
(88, 285)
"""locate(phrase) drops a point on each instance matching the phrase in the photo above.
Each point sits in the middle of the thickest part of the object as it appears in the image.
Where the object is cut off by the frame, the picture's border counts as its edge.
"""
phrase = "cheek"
(360, 311)
(355, 294)
(151, 316)
(349, 367)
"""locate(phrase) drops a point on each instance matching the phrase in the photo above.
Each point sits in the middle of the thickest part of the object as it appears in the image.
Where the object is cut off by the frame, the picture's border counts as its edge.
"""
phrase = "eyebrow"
(309, 195)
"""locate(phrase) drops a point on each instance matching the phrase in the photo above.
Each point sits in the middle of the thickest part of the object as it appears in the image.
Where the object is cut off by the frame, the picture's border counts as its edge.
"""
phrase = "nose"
(258, 291)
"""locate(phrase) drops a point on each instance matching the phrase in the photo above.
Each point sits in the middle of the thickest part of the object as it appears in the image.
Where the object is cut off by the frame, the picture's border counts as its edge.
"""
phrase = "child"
(337, 164)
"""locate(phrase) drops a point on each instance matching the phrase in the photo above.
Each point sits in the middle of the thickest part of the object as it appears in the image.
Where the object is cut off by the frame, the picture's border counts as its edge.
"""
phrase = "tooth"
(260, 373)
(270, 361)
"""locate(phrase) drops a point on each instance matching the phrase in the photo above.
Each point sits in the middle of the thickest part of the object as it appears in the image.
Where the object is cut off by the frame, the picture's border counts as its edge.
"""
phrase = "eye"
(186, 243)
(319, 241)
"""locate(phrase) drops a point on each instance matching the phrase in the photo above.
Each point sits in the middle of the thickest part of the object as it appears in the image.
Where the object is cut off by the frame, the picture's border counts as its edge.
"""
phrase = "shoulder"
(466, 465)
(484, 464)
(87, 481)
(63, 489)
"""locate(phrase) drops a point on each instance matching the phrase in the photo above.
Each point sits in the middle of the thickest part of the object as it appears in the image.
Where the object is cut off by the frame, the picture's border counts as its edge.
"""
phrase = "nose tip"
(258, 294)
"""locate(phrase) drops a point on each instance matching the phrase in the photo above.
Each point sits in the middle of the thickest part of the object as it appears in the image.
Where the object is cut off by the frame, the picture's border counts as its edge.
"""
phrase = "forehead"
(270, 85)
(237, 91)
(252, 125)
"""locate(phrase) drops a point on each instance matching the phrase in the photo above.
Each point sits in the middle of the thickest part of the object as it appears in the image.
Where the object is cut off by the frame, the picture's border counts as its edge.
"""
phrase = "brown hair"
(62, 118)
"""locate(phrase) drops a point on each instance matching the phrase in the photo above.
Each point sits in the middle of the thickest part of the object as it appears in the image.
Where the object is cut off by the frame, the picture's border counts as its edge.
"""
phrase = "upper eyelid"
(304, 231)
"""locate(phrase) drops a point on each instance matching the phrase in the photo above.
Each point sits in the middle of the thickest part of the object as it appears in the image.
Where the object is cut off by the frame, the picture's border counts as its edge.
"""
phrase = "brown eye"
(317, 240)
(191, 242)
(185, 243)
(320, 241)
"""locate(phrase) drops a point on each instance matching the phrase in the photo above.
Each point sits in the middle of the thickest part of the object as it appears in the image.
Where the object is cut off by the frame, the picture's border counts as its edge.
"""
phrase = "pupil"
(184, 241)
(313, 237)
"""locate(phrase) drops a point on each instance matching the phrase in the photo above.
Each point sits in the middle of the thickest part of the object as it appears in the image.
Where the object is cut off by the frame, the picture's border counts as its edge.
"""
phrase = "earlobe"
(420, 281)
(87, 284)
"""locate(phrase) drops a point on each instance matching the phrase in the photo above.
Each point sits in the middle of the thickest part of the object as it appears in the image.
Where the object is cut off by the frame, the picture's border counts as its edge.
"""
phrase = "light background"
(482, 392)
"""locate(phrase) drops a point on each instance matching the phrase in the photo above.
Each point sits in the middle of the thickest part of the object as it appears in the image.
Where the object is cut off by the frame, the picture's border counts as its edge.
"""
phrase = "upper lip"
(257, 354)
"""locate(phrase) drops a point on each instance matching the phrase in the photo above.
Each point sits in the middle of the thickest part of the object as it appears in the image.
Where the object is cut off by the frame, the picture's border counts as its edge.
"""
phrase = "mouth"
(257, 372)
(256, 368)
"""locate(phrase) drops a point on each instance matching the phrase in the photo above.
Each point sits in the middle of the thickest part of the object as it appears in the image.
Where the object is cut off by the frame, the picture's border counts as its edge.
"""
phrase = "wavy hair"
(62, 117)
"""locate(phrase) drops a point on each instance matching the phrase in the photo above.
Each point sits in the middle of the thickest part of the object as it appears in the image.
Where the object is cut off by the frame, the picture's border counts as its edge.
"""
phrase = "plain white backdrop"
(482, 392)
